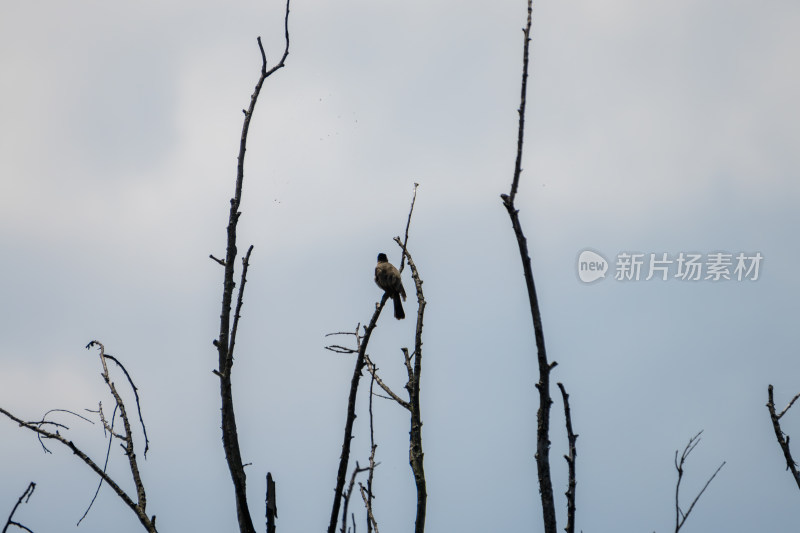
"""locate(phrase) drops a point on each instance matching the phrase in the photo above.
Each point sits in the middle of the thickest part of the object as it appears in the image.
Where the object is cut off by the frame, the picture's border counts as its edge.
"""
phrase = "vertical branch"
(408, 224)
(344, 458)
(571, 438)
(225, 343)
(272, 506)
(783, 439)
(543, 386)
(415, 454)
(372, 447)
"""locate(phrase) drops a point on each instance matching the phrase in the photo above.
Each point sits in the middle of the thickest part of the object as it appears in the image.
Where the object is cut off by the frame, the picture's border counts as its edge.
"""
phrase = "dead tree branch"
(361, 346)
(408, 224)
(570, 458)
(373, 447)
(348, 493)
(543, 413)
(271, 504)
(22, 499)
(373, 523)
(140, 504)
(680, 516)
(412, 387)
(226, 341)
(783, 439)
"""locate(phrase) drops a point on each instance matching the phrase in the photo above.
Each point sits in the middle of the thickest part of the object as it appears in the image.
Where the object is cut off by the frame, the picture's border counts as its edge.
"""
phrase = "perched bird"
(388, 278)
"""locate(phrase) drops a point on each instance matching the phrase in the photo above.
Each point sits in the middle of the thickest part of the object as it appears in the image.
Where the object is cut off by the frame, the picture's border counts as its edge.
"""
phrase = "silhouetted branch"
(271, 504)
(373, 372)
(344, 458)
(348, 493)
(138, 405)
(22, 499)
(783, 439)
(105, 464)
(408, 224)
(680, 516)
(415, 454)
(57, 425)
(138, 506)
(226, 341)
(543, 413)
(571, 438)
(370, 516)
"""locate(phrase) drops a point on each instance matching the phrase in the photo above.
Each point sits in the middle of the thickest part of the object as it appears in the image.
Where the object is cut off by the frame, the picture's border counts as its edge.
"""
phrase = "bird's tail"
(399, 314)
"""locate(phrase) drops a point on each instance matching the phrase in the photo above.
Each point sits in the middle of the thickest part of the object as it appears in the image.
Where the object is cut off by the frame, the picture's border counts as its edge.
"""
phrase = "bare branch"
(363, 342)
(239, 302)
(783, 439)
(140, 513)
(128, 436)
(374, 373)
(543, 386)
(570, 458)
(225, 343)
(372, 465)
(415, 453)
(349, 493)
(138, 405)
(105, 464)
(796, 396)
(22, 499)
(680, 516)
(408, 225)
(366, 497)
(271, 504)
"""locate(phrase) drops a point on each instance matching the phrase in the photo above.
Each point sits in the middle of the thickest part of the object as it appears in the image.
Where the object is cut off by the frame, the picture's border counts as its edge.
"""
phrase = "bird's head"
(382, 258)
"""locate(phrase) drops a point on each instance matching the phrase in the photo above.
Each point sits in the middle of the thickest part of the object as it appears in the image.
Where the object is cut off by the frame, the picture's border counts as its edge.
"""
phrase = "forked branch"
(22, 499)
(226, 341)
(138, 503)
(783, 439)
(680, 516)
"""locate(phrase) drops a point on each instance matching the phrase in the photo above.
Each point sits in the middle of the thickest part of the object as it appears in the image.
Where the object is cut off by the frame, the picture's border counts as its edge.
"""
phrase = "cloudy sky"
(653, 128)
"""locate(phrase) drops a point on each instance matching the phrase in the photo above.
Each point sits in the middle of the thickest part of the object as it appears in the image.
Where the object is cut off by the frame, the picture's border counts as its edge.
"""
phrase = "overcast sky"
(652, 128)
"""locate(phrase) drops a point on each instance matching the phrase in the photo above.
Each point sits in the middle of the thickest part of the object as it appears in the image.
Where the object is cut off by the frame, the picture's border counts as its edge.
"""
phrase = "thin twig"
(796, 396)
(357, 470)
(408, 224)
(22, 499)
(374, 373)
(105, 465)
(370, 516)
(680, 516)
(138, 405)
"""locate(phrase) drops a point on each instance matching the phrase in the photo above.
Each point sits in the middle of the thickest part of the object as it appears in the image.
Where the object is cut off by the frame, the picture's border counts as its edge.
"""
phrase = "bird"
(388, 278)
